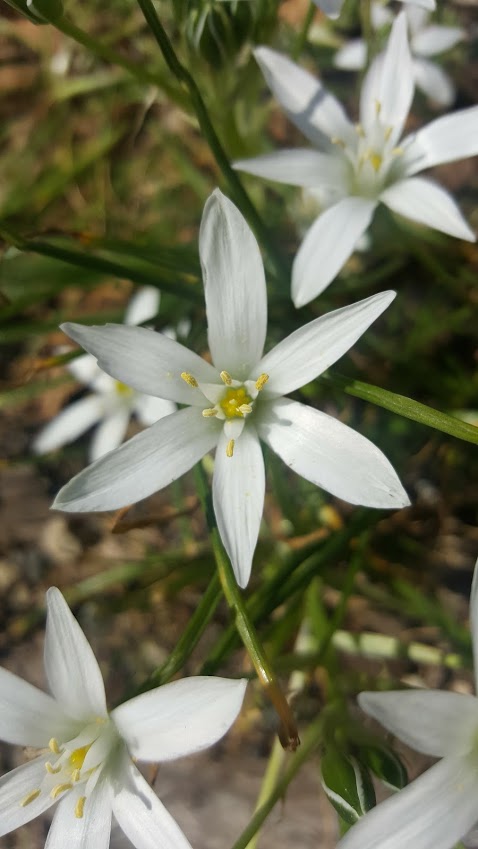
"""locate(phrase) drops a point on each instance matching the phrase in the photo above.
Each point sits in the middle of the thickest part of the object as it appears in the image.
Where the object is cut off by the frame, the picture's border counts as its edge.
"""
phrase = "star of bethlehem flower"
(440, 807)
(332, 8)
(426, 40)
(356, 167)
(235, 401)
(87, 756)
(110, 404)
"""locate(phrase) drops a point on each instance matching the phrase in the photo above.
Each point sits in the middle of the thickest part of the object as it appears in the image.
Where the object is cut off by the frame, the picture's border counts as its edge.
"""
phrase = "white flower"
(332, 8)
(356, 167)
(235, 401)
(439, 808)
(425, 40)
(110, 404)
(86, 762)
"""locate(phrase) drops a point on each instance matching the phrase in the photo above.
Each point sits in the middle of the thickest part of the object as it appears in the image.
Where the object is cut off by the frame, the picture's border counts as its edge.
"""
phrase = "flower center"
(236, 403)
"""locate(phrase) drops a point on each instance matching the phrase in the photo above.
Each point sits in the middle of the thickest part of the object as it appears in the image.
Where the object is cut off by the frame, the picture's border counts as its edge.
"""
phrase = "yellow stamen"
(388, 133)
(79, 807)
(211, 411)
(54, 746)
(233, 400)
(230, 448)
(376, 161)
(53, 770)
(338, 142)
(226, 378)
(189, 379)
(76, 775)
(30, 798)
(360, 130)
(78, 756)
(398, 151)
(245, 409)
(122, 389)
(261, 381)
(59, 789)
(378, 107)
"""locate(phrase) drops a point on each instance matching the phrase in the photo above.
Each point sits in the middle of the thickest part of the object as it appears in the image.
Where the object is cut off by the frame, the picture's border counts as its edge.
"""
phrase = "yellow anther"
(59, 789)
(398, 151)
(230, 448)
(388, 133)
(338, 142)
(378, 107)
(226, 378)
(53, 770)
(245, 409)
(189, 379)
(76, 775)
(360, 130)
(211, 411)
(376, 161)
(233, 400)
(80, 807)
(261, 381)
(30, 798)
(54, 746)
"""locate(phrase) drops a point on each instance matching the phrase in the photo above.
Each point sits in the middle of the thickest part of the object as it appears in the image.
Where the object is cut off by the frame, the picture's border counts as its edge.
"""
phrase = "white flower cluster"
(231, 402)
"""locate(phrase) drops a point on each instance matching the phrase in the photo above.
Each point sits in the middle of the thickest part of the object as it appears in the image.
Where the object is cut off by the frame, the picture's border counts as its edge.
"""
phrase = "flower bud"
(385, 764)
(347, 783)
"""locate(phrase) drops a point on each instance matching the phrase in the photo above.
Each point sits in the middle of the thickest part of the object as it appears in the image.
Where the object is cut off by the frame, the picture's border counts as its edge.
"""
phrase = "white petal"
(311, 349)
(446, 139)
(299, 167)
(436, 39)
(84, 369)
(143, 306)
(332, 8)
(323, 450)
(180, 718)
(434, 722)
(425, 4)
(69, 424)
(434, 82)
(433, 812)
(147, 361)
(149, 410)
(427, 203)
(110, 433)
(142, 817)
(29, 717)
(353, 56)
(16, 786)
(234, 286)
(92, 830)
(316, 112)
(380, 84)
(328, 245)
(238, 497)
(417, 20)
(474, 620)
(72, 670)
(143, 465)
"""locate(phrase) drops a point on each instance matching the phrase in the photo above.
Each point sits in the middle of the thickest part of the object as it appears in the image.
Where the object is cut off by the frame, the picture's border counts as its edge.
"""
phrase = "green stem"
(288, 733)
(235, 186)
(310, 743)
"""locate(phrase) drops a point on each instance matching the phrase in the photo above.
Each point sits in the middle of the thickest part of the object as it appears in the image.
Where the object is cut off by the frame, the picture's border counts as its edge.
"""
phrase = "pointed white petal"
(234, 286)
(147, 361)
(72, 670)
(142, 817)
(427, 203)
(110, 433)
(16, 786)
(436, 39)
(433, 812)
(316, 112)
(332, 8)
(474, 620)
(149, 410)
(328, 245)
(143, 306)
(353, 56)
(299, 167)
(380, 84)
(238, 497)
(84, 369)
(143, 465)
(446, 139)
(311, 349)
(434, 82)
(69, 424)
(180, 718)
(417, 20)
(29, 717)
(92, 830)
(434, 722)
(323, 450)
